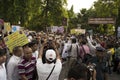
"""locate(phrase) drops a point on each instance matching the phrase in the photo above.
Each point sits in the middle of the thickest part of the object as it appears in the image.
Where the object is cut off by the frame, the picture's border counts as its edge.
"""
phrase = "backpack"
(87, 57)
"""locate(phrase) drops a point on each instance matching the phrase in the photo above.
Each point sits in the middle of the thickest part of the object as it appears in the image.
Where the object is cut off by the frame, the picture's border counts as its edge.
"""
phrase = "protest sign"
(72, 31)
(15, 39)
(1, 22)
(118, 32)
(54, 29)
(77, 31)
(7, 27)
(15, 28)
(60, 29)
(57, 29)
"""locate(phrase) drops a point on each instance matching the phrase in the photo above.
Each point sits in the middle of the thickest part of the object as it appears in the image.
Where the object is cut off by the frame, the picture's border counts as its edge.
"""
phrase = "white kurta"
(3, 75)
(12, 68)
(45, 69)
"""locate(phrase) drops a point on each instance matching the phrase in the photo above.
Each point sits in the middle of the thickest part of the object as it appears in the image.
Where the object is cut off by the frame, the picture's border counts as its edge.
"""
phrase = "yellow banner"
(15, 39)
(72, 31)
(77, 31)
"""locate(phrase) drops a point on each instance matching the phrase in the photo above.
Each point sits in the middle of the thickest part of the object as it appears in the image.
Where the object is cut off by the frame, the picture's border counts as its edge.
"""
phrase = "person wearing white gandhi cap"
(52, 68)
(50, 55)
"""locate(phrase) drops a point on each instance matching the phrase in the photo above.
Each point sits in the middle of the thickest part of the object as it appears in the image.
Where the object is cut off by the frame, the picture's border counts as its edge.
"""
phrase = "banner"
(54, 29)
(77, 31)
(57, 29)
(7, 27)
(118, 32)
(15, 39)
(60, 29)
(72, 31)
(1, 22)
(15, 28)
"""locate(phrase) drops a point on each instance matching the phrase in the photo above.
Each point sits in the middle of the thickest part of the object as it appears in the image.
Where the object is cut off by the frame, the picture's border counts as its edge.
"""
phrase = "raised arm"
(41, 52)
(56, 50)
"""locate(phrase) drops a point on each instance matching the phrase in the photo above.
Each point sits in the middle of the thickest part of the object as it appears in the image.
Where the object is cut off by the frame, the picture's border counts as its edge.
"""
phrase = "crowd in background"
(52, 56)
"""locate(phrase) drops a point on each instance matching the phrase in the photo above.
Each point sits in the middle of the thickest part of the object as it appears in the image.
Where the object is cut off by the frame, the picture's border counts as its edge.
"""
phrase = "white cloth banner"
(57, 29)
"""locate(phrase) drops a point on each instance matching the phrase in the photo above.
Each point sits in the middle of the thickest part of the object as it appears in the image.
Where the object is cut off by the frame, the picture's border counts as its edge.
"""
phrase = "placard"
(15, 39)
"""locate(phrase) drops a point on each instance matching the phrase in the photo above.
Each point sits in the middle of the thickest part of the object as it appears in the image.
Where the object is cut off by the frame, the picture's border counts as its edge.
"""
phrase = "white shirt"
(3, 75)
(90, 43)
(35, 54)
(91, 46)
(29, 38)
(74, 52)
(45, 69)
(12, 68)
(65, 50)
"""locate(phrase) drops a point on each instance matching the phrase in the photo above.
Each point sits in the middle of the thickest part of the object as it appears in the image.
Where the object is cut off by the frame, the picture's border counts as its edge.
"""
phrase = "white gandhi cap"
(50, 55)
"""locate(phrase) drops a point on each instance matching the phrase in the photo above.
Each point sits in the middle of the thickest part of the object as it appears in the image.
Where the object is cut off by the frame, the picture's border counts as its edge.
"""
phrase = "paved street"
(113, 76)
(64, 71)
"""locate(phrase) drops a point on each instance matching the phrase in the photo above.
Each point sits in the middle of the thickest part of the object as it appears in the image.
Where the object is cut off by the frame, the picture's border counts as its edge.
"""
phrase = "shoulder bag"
(50, 73)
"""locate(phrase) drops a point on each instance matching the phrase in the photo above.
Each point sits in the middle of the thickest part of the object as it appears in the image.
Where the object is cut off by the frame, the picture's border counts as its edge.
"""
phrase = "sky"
(79, 4)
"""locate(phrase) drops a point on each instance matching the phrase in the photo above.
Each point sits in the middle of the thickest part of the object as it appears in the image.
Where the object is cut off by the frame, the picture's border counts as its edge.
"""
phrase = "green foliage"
(100, 10)
(72, 18)
(104, 9)
(33, 14)
(39, 14)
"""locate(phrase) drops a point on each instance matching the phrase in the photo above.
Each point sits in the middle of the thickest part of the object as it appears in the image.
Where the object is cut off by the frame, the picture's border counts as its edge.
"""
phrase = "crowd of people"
(52, 56)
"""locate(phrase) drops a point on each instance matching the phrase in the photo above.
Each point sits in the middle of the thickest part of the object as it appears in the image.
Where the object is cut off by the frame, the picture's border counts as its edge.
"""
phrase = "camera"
(49, 44)
(91, 67)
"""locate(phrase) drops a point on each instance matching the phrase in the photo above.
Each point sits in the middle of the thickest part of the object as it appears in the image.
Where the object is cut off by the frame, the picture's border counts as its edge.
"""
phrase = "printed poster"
(15, 39)
(7, 27)
(15, 28)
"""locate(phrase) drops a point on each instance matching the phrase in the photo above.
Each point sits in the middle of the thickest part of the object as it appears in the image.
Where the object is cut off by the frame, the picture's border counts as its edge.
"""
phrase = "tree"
(51, 13)
(33, 13)
(14, 11)
(105, 9)
(72, 23)
(83, 18)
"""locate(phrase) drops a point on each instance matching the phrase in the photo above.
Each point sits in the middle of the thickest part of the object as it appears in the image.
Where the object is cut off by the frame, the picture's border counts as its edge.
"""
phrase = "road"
(63, 75)
(114, 76)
